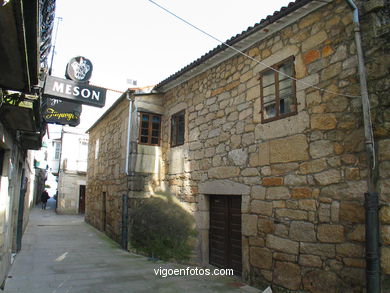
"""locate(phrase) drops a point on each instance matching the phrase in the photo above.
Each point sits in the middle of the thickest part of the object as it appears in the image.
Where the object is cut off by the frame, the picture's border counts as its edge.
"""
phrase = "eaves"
(260, 31)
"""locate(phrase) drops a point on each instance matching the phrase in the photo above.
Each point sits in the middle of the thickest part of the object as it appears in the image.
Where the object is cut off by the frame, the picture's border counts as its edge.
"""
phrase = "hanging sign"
(61, 112)
(79, 92)
(79, 69)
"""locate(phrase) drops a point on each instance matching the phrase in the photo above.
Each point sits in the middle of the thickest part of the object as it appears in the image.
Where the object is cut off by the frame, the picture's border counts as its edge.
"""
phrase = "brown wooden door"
(225, 232)
(82, 199)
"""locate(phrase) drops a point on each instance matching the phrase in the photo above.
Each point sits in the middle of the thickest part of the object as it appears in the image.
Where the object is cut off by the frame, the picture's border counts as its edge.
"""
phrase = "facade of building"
(25, 43)
(70, 154)
(271, 147)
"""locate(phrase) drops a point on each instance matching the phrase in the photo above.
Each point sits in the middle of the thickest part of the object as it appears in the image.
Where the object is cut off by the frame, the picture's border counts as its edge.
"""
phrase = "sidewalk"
(63, 254)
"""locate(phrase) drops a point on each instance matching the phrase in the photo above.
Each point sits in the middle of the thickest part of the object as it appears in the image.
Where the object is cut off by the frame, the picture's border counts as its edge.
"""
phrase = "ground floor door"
(82, 199)
(225, 242)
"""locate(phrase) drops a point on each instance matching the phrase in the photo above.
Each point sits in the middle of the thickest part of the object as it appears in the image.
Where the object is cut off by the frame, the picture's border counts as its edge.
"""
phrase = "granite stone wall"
(303, 219)
(302, 178)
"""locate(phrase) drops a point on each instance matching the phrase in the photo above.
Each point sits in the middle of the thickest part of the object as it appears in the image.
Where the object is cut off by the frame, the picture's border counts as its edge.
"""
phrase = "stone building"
(271, 141)
(25, 41)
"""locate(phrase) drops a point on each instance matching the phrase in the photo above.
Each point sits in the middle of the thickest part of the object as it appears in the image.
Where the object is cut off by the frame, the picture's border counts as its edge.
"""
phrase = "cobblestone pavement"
(63, 254)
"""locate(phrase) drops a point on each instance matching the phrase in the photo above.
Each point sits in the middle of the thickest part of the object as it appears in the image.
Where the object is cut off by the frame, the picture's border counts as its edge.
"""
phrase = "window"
(278, 91)
(57, 151)
(177, 129)
(150, 129)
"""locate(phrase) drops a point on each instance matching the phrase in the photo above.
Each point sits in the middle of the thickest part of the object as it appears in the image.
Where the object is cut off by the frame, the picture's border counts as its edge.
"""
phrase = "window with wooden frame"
(277, 88)
(150, 129)
(177, 128)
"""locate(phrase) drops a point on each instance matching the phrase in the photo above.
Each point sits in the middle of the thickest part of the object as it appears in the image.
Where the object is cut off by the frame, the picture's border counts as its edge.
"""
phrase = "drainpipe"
(371, 196)
(130, 97)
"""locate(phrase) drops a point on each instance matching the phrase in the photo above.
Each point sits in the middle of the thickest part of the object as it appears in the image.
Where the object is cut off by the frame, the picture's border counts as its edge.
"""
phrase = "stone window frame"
(278, 115)
(175, 121)
(150, 129)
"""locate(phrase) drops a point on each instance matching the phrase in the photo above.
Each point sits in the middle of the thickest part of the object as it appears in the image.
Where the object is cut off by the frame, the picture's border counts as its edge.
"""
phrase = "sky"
(135, 39)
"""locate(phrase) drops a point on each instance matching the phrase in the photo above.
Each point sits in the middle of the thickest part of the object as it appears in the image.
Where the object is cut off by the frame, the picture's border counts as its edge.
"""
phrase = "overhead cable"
(250, 57)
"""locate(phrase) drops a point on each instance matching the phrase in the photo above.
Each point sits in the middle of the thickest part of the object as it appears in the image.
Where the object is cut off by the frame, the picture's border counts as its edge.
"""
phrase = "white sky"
(134, 39)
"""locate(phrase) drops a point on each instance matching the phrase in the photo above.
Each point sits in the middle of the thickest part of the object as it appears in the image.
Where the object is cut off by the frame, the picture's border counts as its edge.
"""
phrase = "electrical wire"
(249, 57)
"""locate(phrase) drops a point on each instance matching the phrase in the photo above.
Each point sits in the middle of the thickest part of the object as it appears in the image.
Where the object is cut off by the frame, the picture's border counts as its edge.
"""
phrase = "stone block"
(261, 207)
(287, 274)
(350, 250)
(385, 259)
(284, 256)
(238, 157)
(282, 169)
(307, 204)
(301, 192)
(328, 177)
(354, 262)
(226, 187)
(327, 51)
(291, 214)
(331, 71)
(223, 172)
(302, 231)
(258, 192)
(320, 249)
(250, 172)
(340, 54)
(265, 225)
(352, 212)
(321, 148)
(384, 214)
(294, 180)
(313, 166)
(384, 149)
(314, 41)
(273, 193)
(358, 233)
(317, 281)
(330, 233)
(282, 244)
(335, 211)
(323, 121)
(264, 156)
(290, 149)
(272, 181)
(261, 257)
(311, 56)
(310, 260)
(385, 233)
(249, 225)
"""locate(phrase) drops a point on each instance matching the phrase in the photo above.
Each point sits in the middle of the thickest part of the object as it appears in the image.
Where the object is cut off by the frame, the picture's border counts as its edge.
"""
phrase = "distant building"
(69, 163)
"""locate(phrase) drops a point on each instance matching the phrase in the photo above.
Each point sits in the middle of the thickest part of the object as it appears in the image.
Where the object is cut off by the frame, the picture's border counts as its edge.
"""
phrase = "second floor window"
(57, 150)
(278, 91)
(150, 129)
(177, 129)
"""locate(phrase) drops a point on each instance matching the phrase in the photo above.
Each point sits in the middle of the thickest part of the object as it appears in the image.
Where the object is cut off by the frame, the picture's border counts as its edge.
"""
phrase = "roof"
(270, 19)
(122, 97)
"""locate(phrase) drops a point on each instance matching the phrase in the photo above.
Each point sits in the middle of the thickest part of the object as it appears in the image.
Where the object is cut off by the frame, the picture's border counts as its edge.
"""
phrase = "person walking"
(44, 197)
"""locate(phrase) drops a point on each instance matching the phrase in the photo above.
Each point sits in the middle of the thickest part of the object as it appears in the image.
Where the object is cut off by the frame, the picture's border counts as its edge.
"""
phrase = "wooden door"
(225, 242)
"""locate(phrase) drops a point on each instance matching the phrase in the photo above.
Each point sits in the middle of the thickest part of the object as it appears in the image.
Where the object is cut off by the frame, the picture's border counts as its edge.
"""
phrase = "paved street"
(63, 254)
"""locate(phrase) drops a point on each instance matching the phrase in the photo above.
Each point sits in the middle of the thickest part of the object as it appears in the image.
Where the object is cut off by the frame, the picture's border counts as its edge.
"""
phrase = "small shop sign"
(61, 112)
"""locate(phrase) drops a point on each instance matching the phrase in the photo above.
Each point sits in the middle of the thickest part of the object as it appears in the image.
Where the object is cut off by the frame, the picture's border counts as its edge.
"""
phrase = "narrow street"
(61, 253)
